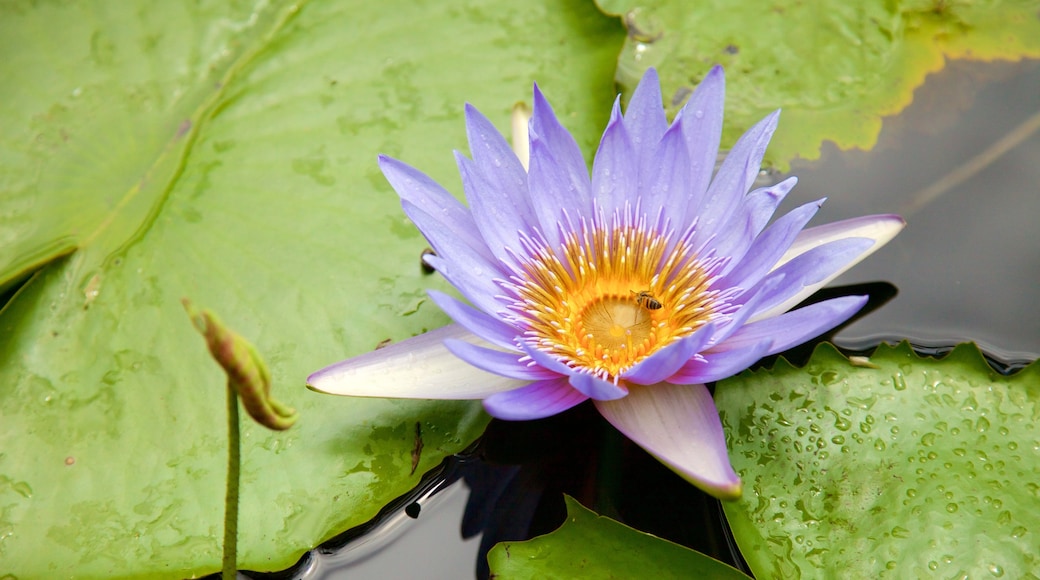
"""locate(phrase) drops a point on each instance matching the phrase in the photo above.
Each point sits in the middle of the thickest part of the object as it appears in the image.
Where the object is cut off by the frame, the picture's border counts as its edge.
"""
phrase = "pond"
(960, 164)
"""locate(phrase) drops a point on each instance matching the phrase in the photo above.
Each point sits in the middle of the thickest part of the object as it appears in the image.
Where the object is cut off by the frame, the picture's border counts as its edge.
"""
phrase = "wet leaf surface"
(896, 466)
(225, 152)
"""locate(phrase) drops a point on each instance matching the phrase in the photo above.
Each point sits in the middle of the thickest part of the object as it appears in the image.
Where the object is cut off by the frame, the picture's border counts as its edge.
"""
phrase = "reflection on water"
(968, 264)
(406, 547)
(962, 164)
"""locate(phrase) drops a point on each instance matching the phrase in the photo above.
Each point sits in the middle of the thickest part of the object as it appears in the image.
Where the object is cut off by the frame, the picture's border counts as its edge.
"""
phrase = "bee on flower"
(547, 257)
(647, 300)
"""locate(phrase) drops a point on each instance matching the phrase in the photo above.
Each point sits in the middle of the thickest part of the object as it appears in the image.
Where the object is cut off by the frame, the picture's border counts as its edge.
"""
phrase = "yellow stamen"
(608, 299)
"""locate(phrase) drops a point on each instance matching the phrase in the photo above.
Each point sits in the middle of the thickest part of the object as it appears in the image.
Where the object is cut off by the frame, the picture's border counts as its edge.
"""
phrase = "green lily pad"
(588, 545)
(835, 67)
(901, 467)
(225, 152)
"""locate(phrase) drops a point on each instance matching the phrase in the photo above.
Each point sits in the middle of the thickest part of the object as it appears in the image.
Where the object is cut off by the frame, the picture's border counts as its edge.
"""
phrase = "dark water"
(961, 164)
(968, 264)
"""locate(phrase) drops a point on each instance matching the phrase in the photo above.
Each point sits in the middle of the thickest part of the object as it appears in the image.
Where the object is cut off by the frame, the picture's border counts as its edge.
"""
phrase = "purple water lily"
(632, 288)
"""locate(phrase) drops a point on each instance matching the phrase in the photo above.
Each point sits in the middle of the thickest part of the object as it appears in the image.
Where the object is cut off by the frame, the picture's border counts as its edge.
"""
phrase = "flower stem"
(230, 567)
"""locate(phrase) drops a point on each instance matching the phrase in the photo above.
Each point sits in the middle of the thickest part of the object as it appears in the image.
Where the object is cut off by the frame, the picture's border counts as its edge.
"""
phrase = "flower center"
(608, 298)
(615, 325)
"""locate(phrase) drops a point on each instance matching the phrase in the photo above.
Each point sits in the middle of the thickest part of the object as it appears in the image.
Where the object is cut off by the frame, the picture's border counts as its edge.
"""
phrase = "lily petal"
(597, 388)
(546, 360)
(769, 246)
(473, 282)
(644, 118)
(746, 223)
(807, 273)
(701, 122)
(483, 325)
(880, 228)
(496, 161)
(559, 162)
(797, 326)
(498, 362)
(679, 425)
(416, 188)
(667, 177)
(498, 216)
(418, 368)
(614, 175)
(720, 364)
(535, 401)
(663, 363)
(734, 179)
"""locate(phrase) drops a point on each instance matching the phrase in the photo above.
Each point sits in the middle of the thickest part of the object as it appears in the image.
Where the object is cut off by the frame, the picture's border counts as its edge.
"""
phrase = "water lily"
(632, 288)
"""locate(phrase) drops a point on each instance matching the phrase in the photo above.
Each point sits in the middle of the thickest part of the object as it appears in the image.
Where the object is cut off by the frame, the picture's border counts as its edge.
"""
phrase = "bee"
(647, 300)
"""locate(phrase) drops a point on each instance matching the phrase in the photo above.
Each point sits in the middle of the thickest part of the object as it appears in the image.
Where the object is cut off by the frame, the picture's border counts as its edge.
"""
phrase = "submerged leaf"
(588, 545)
(909, 466)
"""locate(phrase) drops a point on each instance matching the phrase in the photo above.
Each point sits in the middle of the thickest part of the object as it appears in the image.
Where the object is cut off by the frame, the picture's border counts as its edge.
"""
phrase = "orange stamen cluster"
(610, 297)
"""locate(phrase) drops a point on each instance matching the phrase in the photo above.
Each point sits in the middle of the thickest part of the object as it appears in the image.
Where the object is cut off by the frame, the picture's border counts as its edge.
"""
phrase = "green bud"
(247, 373)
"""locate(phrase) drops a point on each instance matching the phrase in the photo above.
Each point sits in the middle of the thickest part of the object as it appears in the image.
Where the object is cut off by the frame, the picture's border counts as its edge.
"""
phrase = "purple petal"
(535, 401)
(718, 365)
(499, 216)
(701, 121)
(496, 161)
(644, 118)
(446, 242)
(614, 173)
(735, 238)
(761, 203)
(426, 194)
(546, 360)
(679, 425)
(465, 268)
(506, 364)
(597, 388)
(734, 179)
(737, 319)
(663, 363)
(558, 177)
(558, 162)
(880, 228)
(483, 325)
(418, 368)
(797, 326)
(809, 272)
(769, 246)
(665, 183)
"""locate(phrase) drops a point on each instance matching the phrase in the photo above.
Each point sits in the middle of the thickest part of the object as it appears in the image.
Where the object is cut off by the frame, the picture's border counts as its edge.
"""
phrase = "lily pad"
(225, 152)
(836, 68)
(900, 466)
(588, 545)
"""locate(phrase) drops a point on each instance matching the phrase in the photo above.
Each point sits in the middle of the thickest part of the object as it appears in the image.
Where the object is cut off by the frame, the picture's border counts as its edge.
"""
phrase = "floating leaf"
(226, 151)
(588, 545)
(916, 468)
(835, 67)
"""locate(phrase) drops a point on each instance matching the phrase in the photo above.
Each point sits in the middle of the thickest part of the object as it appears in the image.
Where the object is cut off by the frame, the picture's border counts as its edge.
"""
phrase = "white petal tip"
(678, 424)
(420, 367)
(879, 228)
(728, 491)
(882, 228)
